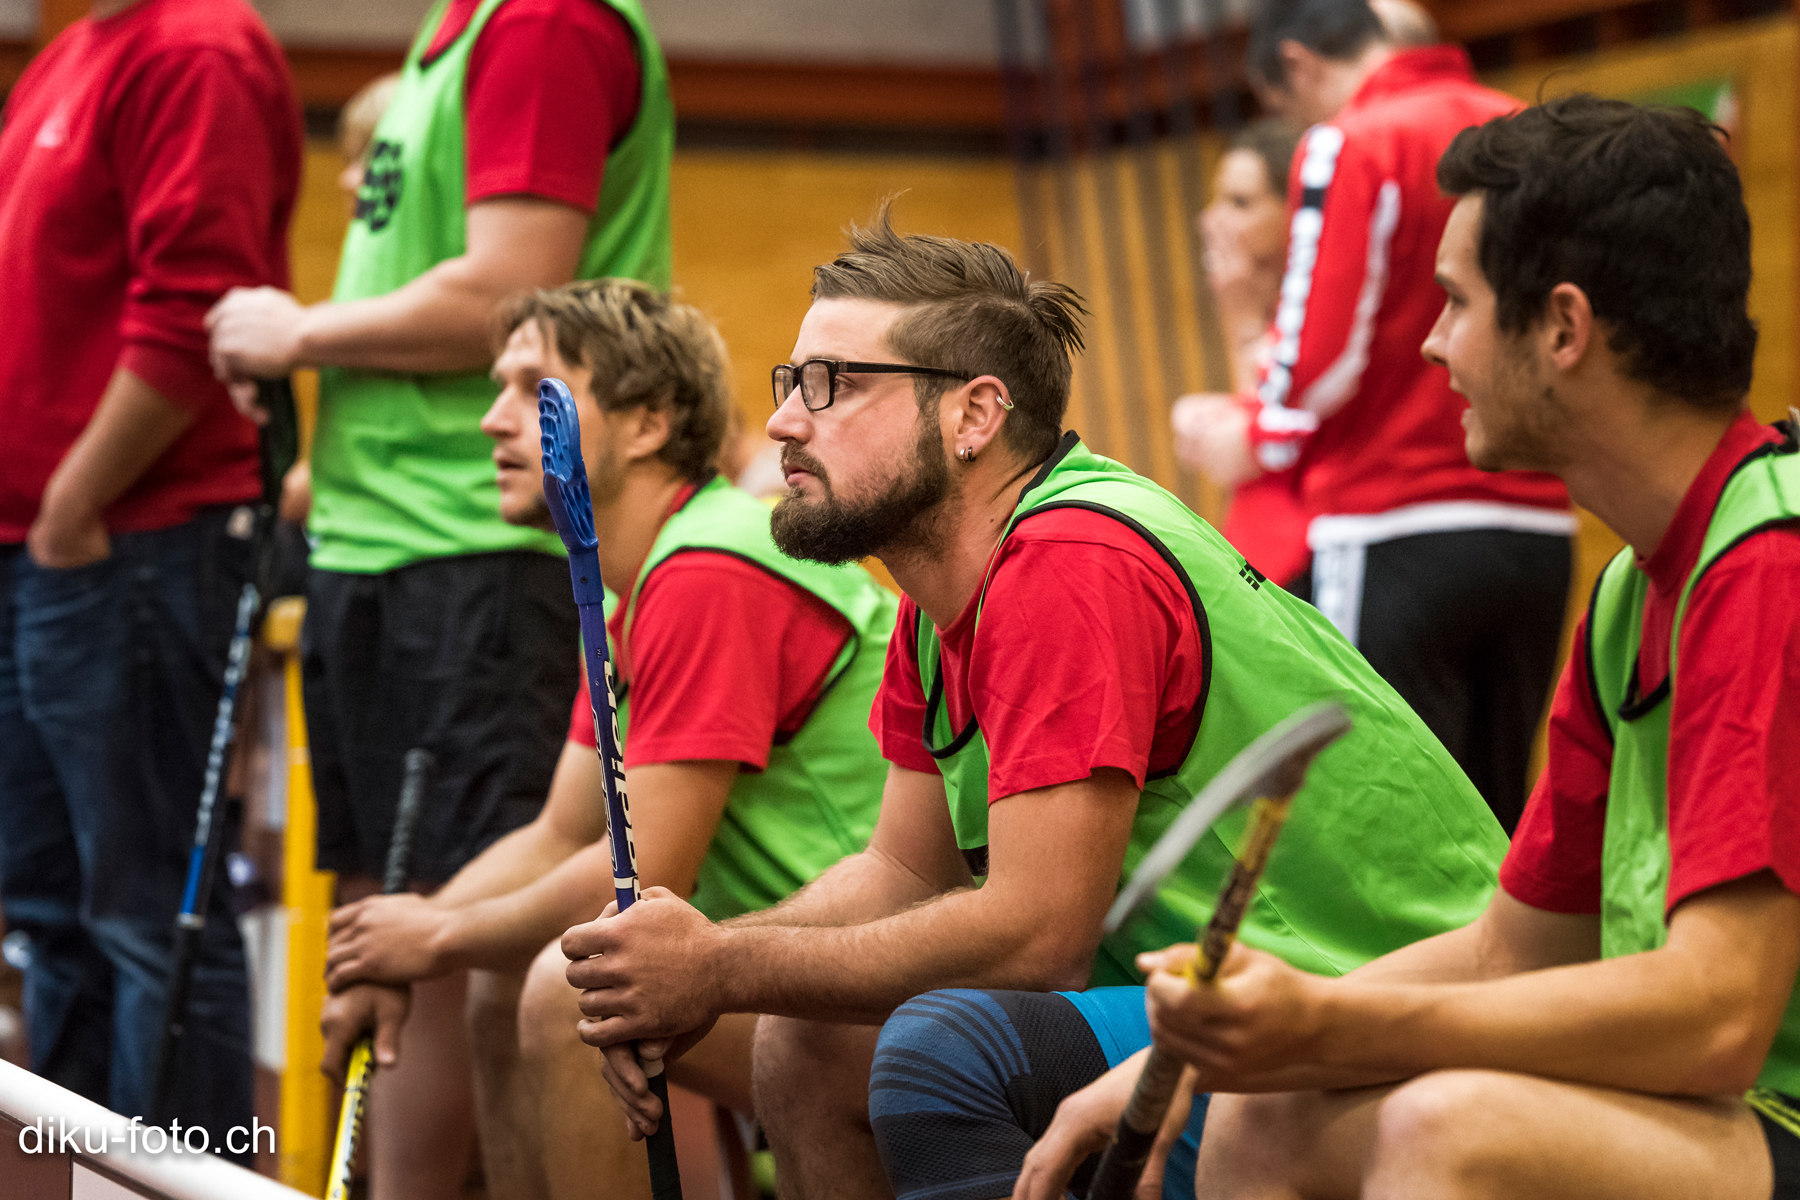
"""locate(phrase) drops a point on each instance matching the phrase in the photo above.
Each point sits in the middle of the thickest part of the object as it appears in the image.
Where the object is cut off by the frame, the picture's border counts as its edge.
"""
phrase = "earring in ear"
(967, 454)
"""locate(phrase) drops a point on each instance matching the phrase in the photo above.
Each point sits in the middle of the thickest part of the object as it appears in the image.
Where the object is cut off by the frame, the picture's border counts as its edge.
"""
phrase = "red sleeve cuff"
(182, 378)
(1578, 896)
(906, 752)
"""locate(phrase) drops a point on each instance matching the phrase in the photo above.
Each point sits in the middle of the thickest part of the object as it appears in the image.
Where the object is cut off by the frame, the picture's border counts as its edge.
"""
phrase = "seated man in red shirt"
(1620, 1021)
(745, 684)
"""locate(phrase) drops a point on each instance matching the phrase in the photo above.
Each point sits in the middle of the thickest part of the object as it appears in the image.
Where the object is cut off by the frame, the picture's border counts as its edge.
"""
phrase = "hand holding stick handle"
(572, 511)
(419, 765)
(1271, 768)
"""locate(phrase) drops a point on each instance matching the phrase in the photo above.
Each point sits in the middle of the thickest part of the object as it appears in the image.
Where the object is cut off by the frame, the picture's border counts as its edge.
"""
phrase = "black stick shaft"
(419, 765)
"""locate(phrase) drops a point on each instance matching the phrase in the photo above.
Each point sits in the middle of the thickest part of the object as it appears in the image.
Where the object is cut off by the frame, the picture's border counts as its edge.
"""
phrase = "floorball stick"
(276, 444)
(572, 511)
(419, 765)
(1267, 773)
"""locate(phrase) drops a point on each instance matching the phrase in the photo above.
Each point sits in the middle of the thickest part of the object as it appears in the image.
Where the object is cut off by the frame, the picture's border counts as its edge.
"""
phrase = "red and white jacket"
(1372, 431)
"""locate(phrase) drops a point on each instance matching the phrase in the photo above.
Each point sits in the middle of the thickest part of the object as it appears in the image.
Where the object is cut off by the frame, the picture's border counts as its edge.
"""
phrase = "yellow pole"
(305, 1128)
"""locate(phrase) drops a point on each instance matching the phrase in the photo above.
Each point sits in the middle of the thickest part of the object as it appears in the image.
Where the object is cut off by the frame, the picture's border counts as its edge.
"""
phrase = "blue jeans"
(110, 676)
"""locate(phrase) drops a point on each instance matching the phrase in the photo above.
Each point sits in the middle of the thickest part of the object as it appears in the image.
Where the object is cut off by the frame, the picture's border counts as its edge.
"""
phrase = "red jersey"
(148, 162)
(1734, 725)
(552, 85)
(721, 661)
(1086, 655)
(1346, 401)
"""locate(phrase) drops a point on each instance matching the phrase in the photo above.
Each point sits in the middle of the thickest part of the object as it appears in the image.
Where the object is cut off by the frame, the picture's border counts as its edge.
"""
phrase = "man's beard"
(830, 530)
(1530, 431)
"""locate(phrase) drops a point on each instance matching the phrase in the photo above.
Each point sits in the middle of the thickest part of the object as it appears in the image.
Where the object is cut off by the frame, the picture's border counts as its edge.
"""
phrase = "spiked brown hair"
(969, 308)
(643, 349)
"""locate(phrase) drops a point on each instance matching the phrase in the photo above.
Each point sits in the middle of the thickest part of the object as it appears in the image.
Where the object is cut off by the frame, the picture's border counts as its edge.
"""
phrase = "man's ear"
(978, 414)
(1568, 328)
(643, 431)
(1298, 62)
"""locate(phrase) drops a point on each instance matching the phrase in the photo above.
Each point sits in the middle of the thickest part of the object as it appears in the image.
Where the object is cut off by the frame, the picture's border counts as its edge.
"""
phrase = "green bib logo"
(379, 194)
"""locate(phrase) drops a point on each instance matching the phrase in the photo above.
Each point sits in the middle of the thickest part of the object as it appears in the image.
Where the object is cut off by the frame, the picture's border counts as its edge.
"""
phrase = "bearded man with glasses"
(1076, 654)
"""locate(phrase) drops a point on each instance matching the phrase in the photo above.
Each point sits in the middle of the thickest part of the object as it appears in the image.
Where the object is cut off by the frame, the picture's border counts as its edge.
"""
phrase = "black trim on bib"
(1201, 625)
(935, 696)
(1587, 649)
(854, 642)
(1634, 706)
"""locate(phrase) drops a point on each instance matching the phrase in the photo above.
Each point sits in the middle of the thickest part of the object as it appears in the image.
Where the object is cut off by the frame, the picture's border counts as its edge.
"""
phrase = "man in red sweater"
(149, 160)
(1452, 581)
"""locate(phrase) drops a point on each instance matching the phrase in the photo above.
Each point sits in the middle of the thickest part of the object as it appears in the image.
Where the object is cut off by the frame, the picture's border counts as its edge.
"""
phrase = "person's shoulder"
(228, 26)
(1060, 541)
(585, 20)
(1762, 572)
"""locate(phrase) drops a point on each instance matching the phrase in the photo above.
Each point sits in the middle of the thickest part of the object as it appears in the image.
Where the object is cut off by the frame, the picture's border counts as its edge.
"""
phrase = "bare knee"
(547, 1008)
(806, 1071)
(1250, 1146)
(1436, 1136)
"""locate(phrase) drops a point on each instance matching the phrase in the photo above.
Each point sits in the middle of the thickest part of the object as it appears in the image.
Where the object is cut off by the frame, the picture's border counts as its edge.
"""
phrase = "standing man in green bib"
(528, 144)
(1076, 655)
(1620, 1021)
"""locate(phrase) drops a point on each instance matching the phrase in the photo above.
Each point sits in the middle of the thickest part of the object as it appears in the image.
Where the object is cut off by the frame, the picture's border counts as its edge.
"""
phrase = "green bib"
(1763, 490)
(1387, 843)
(401, 470)
(817, 799)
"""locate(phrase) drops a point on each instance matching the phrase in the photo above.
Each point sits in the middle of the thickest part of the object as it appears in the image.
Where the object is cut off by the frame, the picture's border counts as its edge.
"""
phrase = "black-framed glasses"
(817, 378)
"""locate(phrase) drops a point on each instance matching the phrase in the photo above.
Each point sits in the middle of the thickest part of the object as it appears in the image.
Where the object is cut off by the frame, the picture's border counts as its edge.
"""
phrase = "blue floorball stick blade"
(565, 477)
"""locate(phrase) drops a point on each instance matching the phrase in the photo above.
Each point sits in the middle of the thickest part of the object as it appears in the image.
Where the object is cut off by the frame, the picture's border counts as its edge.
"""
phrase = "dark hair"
(1641, 209)
(643, 349)
(1273, 141)
(1339, 29)
(969, 308)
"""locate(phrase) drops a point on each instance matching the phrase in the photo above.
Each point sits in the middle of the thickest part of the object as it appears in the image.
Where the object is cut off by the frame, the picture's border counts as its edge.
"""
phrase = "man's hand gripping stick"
(1266, 774)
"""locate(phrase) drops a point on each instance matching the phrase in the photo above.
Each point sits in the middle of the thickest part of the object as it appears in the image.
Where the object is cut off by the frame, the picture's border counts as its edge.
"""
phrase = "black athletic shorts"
(1784, 1145)
(1464, 625)
(475, 658)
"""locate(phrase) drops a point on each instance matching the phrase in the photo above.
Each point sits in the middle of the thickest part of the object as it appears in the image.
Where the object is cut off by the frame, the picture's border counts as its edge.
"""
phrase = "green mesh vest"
(1634, 863)
(817, 799)
(401, 470)
(1387, 843)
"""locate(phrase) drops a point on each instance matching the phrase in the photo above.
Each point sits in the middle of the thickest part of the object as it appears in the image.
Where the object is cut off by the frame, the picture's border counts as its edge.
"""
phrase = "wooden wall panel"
(749, 227)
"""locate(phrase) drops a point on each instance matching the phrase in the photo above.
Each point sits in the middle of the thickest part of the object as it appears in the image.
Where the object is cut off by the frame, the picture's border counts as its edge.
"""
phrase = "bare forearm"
(1589, 1023)
(860, 973)
(507, 931)
(441, 321)
(862, 887)
(133, 426)
(522, 857)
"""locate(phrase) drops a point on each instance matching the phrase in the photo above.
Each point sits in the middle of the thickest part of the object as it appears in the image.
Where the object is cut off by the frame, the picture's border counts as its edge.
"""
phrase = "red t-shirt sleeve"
(724, 657)
(1734, 754)
(1554, 860)
(552, 87)
(203, 181)
(581, 717)
(1075, 657)
(898, 715)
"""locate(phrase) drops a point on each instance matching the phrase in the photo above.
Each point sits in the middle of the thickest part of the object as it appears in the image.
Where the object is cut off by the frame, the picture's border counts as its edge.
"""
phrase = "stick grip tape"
(665, 1172)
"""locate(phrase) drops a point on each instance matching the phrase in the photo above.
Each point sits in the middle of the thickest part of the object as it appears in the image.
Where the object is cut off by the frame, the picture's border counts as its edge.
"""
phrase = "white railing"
(55, 1121)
